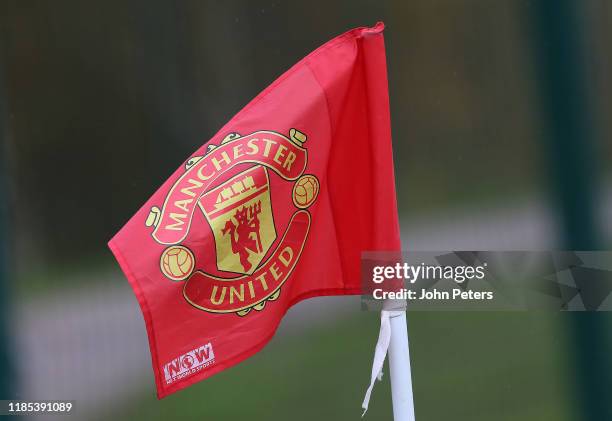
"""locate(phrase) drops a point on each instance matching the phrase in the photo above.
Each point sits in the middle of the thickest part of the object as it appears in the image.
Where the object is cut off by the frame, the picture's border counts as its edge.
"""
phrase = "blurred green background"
(502, 128)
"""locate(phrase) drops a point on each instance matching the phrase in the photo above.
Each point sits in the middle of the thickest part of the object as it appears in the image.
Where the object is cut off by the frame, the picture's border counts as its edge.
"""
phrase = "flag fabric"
(277, 207)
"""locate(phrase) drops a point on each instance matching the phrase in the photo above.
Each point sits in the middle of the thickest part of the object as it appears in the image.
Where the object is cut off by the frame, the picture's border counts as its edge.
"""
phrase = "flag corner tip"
(378, 27)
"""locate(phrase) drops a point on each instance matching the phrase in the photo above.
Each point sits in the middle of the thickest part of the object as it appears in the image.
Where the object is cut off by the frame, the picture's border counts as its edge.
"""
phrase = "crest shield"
(239, 213)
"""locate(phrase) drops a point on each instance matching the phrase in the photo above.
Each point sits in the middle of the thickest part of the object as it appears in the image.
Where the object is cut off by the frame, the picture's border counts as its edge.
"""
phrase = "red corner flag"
(276, 208)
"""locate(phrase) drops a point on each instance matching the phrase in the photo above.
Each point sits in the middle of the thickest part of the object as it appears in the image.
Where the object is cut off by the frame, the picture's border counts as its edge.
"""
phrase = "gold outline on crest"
(271, 293)
(271, 213)
(295, 139)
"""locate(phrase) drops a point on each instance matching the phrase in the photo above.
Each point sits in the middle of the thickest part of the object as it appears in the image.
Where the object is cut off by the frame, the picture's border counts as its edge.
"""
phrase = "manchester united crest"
(230, 189)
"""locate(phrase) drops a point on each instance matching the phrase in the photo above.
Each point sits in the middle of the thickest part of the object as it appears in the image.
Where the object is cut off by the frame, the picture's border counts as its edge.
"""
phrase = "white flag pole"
(393, 338)
(399, 366)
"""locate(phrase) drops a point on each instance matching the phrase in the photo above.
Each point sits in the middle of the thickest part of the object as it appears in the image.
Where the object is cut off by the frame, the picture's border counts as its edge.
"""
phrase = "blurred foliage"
(106, 99)
(515, 373)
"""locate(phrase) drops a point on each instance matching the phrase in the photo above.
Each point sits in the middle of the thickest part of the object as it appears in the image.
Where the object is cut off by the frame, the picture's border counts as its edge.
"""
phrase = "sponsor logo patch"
(189, 363)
